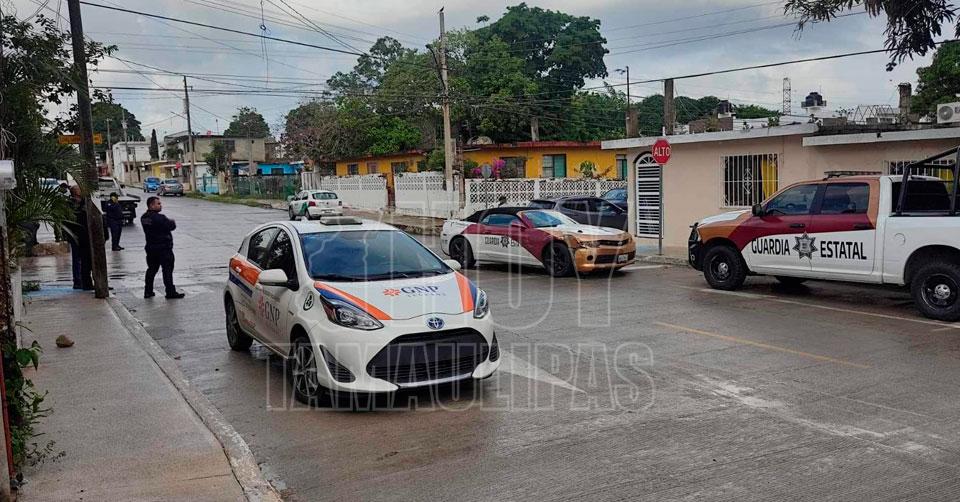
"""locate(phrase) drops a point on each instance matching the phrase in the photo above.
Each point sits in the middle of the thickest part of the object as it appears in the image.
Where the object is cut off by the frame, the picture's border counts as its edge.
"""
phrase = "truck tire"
(723, 268)
(936, 290)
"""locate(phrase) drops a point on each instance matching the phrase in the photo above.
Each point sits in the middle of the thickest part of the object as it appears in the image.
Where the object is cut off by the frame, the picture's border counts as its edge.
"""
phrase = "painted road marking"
(762, 345)
(946, 327)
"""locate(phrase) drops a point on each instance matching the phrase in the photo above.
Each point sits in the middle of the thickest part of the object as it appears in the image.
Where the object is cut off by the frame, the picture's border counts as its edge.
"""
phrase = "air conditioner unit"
(948, 113)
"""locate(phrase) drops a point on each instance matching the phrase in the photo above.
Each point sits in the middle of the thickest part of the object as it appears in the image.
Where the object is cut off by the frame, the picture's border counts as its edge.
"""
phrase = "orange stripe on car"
(248, 271)
(466, 296)
(370, 309)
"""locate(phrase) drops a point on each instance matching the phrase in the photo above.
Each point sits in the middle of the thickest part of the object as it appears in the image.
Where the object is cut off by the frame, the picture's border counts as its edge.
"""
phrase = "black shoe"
(174, 296)
(77, 286)
(149, 295)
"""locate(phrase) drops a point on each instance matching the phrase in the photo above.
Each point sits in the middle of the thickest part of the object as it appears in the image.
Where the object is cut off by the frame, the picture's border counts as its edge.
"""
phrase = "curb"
(665, 260)
(255, 487)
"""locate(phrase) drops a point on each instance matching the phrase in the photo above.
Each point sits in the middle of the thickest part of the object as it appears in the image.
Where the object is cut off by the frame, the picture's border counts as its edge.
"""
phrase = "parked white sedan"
(357, 306)
(325, 202)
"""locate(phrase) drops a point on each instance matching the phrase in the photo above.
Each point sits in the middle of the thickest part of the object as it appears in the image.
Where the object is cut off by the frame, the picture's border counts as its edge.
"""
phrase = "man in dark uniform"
(113, 214)
(156, 230)
(81, 259)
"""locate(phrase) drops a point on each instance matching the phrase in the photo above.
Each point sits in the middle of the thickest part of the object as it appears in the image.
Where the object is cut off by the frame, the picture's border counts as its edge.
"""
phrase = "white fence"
(361, 192)
(422, 194)
(482, 194)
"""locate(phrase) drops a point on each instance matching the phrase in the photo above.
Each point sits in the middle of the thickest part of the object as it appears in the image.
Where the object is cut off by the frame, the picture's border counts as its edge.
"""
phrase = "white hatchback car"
(357, 306)
(314, 203)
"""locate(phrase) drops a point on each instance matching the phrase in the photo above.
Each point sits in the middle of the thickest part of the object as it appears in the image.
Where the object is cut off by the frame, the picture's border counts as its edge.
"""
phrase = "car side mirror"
(758, 210)
(274, 277)
(454, 264)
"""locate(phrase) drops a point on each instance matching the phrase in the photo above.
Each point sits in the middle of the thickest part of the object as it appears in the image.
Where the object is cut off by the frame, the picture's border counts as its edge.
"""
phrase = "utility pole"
(448, 149)
(94, 219)
(669, 114)
(191, 145)
(109, 151)
(126, 140)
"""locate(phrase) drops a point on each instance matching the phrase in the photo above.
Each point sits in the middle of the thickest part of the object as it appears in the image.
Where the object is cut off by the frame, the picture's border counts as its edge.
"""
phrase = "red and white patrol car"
(844, 228)
(539, 237)
(357, 306)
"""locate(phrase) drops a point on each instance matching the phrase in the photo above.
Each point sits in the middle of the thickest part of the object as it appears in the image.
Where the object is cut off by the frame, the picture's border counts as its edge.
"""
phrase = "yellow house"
(382, 164)
(549, 159)
(531, 159)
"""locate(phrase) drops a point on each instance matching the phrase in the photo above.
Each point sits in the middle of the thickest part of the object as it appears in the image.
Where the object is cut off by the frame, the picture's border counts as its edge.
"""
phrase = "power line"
(706, 14)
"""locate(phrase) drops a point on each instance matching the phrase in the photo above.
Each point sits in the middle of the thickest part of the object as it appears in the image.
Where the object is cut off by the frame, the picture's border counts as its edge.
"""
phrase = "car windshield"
(616, 194)
(171, 182)
(106, 185)
(368, 255)
(544, 219)
(153, 180)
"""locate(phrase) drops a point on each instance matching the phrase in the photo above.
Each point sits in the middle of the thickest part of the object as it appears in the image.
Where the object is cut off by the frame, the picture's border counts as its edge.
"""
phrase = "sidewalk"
(127, 431)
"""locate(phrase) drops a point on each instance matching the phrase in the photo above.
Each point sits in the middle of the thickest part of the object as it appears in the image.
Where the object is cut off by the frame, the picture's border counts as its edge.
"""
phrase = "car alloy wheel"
(304, 372)
(720, 268)
(236, 338)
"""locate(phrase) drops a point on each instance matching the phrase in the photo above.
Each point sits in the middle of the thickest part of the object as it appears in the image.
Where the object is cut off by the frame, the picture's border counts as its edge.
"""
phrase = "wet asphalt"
(640, 385)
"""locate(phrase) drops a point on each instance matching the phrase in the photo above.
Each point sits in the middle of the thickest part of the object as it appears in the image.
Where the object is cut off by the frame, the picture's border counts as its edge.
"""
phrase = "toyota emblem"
(435, 323)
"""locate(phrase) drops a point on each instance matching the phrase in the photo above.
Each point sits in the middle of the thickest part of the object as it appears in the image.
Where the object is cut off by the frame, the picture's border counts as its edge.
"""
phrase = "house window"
(554, 166)
(230, 144)
(372, 168)
(748, 179)
(514, 167)
(398, 167)
(353, 169)
(622, 167)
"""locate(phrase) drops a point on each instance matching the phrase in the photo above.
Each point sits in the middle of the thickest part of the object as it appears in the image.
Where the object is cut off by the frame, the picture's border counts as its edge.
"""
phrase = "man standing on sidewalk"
(156, 230)
(81, 259)
(114, 216)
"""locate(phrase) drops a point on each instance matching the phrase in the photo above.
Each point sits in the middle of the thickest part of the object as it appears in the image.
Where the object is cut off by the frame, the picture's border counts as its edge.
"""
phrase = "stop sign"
(661, 151)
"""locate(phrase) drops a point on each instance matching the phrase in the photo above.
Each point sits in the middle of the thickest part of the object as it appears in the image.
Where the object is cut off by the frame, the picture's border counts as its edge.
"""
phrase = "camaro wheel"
(303, 372)
(461, 251)
(723, 268)
(558, 260)
(237, 339)
(935, 288)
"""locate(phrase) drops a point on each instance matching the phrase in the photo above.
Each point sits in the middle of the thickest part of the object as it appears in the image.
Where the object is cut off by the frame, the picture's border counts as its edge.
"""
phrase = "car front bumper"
(405, 354)
(604, 258)
(695, 249)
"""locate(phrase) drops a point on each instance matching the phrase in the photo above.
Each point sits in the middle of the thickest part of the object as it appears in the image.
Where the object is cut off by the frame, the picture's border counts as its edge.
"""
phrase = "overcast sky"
(644, 34)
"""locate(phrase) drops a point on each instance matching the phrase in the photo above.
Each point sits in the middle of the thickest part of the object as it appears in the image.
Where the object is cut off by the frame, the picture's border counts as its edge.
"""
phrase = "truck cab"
(843, 228)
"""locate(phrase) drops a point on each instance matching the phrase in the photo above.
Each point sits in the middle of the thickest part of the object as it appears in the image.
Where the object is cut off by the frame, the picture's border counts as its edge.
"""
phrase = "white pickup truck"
(845, 228)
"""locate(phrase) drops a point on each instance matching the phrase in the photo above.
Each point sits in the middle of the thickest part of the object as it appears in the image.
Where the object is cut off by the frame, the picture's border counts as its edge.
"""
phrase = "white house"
(127, 156)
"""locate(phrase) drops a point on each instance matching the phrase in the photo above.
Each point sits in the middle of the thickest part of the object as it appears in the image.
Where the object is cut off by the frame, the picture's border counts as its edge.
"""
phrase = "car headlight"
(348, 316)
(482, 307)
(589, 244)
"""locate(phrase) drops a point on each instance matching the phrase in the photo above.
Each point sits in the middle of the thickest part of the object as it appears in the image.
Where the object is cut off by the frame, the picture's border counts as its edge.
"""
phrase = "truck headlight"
(482, 307)
(348, 316)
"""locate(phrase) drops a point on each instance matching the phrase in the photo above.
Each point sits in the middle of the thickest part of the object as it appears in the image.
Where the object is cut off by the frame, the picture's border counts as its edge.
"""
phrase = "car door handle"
(798, 225)
(862, 226)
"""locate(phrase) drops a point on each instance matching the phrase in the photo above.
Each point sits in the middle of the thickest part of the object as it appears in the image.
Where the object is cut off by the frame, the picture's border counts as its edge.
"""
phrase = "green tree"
(154, 146)
(218, 160)
(370, 68)
(755, 112)
(172, 152)
(939, 82)
(393, 135)
(912, 26)
(247, 123)
(105, 111)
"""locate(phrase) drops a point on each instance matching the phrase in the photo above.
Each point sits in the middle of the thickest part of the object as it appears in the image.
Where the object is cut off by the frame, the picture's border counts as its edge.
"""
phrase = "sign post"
(661, 154)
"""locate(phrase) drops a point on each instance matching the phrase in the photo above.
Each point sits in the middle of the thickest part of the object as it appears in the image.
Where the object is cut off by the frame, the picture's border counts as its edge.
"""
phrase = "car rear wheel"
(461, 251)
(237, 339)
(558, 260)
(790, 281)
(304, 372)
(723, 268)
(935, 288)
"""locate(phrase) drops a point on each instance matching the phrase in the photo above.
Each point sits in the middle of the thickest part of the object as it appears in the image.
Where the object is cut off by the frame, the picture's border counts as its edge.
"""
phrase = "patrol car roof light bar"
(925, 163)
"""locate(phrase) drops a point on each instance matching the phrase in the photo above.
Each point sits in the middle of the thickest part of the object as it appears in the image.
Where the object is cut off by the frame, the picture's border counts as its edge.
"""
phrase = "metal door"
(649, 196)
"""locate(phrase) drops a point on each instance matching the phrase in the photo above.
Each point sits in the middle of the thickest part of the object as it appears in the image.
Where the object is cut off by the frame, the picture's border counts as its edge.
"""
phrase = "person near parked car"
(79, 239)
(113, 214)
(157, 230)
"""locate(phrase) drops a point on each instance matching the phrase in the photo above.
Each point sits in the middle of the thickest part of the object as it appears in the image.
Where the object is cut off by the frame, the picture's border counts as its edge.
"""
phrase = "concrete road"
(644, 385)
